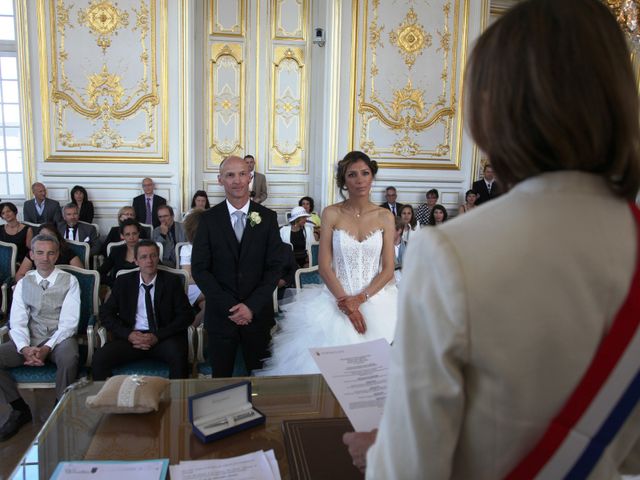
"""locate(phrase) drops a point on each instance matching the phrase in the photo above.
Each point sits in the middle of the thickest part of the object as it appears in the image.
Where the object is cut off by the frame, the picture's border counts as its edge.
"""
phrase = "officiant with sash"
(522, 362)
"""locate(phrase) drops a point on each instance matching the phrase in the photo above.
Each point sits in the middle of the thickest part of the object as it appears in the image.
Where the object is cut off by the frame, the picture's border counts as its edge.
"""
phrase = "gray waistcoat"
(43, 306)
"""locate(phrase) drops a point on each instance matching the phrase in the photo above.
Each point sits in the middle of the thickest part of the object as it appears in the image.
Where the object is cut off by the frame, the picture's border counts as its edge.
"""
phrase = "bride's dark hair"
(348, 160)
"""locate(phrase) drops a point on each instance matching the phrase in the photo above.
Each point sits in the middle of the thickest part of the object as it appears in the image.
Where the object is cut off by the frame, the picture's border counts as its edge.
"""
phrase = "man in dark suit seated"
(487, 187)
(72, 229)
(147, 316)
(146, 205)
(391, 195)
(41, 209)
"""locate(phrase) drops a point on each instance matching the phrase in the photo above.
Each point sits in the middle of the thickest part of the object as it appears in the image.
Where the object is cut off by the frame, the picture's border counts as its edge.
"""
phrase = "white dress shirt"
(69, 313)
(232, 210)
(142, 322)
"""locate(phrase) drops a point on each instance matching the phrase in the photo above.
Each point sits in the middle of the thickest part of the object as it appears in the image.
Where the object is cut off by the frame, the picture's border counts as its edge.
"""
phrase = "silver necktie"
(44, 284)
(238, 226)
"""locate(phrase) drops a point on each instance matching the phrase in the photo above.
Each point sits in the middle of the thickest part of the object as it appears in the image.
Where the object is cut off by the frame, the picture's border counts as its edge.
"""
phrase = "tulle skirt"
(313, 319)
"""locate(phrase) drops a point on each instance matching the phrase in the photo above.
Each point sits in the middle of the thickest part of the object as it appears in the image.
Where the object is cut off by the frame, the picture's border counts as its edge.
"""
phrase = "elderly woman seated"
(298, 234)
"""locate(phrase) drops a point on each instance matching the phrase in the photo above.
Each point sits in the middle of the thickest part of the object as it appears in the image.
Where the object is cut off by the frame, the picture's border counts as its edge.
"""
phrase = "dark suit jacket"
(116, 261)
(84, 231)
(140, 207)
(51, 212)
(480, 187)
(398, 207)
(171, 306)
(86, 212)
(229, 273)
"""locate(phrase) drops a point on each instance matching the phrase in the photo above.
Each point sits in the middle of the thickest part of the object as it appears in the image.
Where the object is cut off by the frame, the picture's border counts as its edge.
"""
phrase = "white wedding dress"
(313, 319)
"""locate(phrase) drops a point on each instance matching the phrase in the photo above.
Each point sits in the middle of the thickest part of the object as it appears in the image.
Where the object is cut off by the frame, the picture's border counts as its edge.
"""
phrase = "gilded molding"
(288, 109)
(226, 105)
(407, 124)
(237, 29)
(98, 113)
(279, 31)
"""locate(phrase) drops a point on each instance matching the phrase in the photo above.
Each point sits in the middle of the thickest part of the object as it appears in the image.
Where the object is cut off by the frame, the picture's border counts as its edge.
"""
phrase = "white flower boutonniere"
(254, 219)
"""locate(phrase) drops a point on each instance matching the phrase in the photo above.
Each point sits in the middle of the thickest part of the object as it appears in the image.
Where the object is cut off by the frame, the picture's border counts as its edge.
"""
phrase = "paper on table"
(358, 375)
(252, 466)
(108, 470)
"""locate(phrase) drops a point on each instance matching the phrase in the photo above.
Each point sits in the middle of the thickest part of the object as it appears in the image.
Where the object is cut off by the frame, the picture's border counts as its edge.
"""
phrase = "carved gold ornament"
(410, 38)
(627, 12)
(104, 19)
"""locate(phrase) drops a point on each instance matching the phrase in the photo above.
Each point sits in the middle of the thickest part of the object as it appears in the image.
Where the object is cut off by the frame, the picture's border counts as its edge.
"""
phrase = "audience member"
(494, 351)
(121, 257)
(200, 200)
(44, 319)
(13, 231)
(299, 235)
(469, 202)
(408, 217)
(150, 324)
(146, 205)
(80, 197)
(487, 188)
(66, 256)
(439, 215)
(391, 195)
(72, 229)
(258, 184)
(41, 209)
(423, 212)
(313, 219)
(114, 234)
(289, 267)
(196, 298)
(168, 233)
(398, 243)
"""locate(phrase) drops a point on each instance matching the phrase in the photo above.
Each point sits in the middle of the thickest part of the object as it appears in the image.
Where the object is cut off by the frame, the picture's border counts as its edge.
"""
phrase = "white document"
(108, 470)
(252, 466)
(358, 376)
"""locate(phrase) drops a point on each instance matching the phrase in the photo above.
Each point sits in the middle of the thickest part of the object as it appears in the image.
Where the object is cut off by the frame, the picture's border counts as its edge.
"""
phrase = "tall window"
(11, 165)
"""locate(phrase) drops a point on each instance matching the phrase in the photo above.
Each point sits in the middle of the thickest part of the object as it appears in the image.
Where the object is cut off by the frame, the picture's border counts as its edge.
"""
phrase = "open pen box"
(218, 413)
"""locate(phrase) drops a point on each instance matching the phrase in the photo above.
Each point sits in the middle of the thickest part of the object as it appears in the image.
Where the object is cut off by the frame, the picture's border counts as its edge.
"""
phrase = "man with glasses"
(168, 233)
(391, 195)
(146, 205)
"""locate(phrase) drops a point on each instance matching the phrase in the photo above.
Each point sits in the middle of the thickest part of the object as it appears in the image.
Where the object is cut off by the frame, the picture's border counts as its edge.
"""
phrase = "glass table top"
(75, 432)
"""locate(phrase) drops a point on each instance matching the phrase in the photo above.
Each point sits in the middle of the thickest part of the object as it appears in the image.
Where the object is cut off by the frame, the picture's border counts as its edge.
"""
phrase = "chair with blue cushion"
(82, 250)
(8, 255)
(315, 252)
(151, 367)
(27, 377)
(308, 276)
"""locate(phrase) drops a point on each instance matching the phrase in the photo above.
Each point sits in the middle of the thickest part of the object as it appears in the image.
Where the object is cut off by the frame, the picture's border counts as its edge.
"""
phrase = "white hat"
(296, 213)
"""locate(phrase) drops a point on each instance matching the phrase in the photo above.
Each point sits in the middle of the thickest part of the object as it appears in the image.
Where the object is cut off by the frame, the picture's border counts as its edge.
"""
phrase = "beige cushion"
(129, 394)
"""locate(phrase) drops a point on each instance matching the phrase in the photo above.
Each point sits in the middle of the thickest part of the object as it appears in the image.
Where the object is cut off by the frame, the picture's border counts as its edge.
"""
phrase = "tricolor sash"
(598, 407)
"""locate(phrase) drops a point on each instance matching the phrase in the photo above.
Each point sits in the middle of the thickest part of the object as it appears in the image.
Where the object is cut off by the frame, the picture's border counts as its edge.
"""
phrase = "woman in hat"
(298, 234)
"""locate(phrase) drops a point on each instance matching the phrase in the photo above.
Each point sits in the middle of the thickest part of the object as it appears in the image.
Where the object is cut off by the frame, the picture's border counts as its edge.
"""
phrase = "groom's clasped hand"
(240, 314)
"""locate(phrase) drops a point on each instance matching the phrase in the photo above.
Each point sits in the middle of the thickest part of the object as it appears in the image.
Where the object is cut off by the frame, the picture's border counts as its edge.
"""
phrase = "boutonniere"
(254, 219)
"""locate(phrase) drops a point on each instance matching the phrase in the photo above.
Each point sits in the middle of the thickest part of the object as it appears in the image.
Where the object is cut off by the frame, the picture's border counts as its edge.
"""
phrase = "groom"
(236, 264)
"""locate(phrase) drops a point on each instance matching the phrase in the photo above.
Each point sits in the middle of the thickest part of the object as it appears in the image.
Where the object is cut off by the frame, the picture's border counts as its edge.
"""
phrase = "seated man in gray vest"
(43, 321)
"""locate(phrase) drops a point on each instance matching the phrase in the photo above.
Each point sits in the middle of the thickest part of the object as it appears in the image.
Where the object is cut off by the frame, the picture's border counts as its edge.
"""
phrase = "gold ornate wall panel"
(289, 19)
(227, 17)
(104, 80)
(227, 108)
(408, 63)
(287, 108)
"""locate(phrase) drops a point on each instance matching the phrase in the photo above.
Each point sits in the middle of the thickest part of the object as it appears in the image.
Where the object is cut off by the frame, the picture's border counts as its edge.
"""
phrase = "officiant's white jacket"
(501, 311)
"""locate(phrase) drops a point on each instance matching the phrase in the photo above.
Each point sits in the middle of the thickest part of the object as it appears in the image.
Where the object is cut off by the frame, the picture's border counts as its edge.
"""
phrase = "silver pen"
(240, 416)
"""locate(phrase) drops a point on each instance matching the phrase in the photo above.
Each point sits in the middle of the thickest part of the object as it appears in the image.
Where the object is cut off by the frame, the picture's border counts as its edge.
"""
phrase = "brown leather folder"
(315, 449)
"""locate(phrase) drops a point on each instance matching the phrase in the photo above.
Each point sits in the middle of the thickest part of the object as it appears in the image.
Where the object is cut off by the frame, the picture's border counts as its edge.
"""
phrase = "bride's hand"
(350, 303)
(357, 320)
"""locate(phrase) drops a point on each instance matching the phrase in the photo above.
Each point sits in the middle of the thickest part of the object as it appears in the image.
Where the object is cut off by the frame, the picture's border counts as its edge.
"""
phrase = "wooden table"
(74, 432)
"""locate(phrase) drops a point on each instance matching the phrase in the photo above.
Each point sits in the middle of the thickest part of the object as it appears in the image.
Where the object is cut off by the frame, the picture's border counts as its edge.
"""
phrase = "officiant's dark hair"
(348, 160)
(555, 109)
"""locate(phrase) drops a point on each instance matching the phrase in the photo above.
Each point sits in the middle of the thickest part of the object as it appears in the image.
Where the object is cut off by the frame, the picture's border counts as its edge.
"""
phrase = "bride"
(357, 302)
